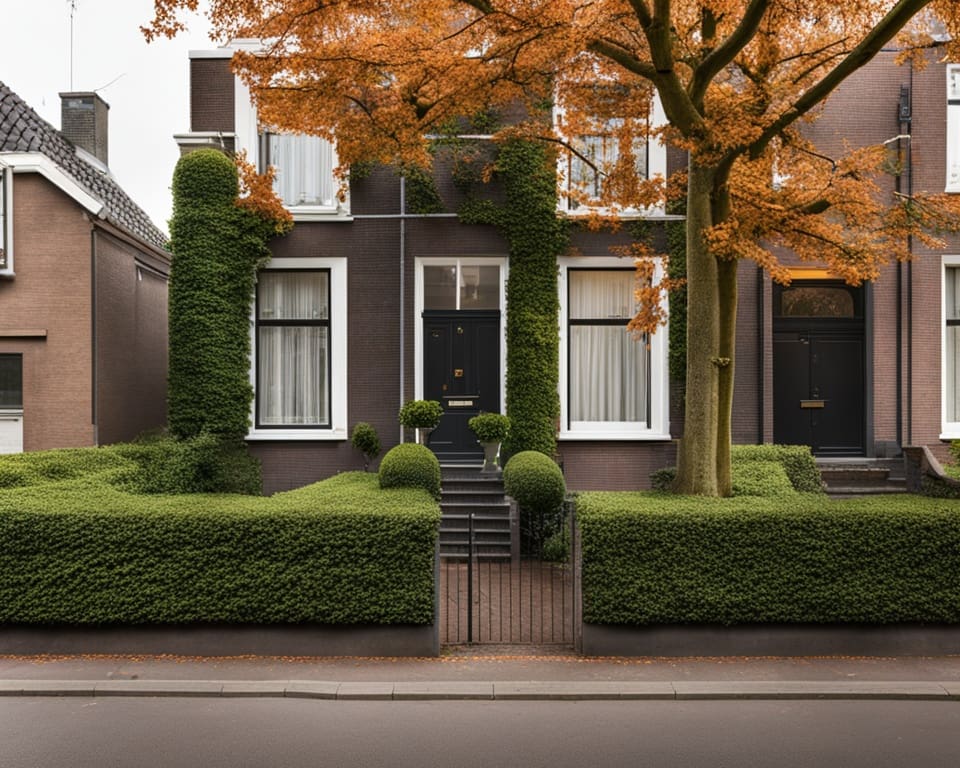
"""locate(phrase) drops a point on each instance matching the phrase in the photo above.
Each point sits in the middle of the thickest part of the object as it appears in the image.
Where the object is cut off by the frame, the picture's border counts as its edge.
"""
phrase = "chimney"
(83, 117)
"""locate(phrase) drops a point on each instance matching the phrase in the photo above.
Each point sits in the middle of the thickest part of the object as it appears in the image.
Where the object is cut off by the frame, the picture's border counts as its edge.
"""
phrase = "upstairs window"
(304, 170)
(590, 160)
(11, 382)
(6, 262)
(953, 128)
(951, 347)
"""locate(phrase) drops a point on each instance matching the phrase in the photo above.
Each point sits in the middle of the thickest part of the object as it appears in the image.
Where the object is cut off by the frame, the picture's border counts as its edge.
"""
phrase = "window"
(6, 262)
(299, 343)
(953, 128)
(613, 385)
(11, 382)
(584, 169)
(461, 286)
(593, 157)
(304, 170)
(951, 347)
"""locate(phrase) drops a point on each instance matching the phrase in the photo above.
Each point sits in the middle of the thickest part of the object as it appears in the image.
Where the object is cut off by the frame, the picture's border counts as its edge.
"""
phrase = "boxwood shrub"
(83, 551)
(651, 558)
(410, 465)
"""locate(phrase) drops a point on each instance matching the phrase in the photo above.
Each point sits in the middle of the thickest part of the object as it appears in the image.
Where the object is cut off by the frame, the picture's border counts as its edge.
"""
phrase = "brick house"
(409, 305)
(83, 286)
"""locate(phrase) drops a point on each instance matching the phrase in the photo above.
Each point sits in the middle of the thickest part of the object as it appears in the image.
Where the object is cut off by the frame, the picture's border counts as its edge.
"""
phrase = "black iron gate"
(528, 597)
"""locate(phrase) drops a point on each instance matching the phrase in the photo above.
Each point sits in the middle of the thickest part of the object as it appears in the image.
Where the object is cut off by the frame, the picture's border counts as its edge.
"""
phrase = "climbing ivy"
(677, 250)
(527, 218)
(217, 247)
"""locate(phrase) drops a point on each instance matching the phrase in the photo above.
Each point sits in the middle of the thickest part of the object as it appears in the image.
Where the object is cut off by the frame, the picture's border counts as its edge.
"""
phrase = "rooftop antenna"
(73, 11)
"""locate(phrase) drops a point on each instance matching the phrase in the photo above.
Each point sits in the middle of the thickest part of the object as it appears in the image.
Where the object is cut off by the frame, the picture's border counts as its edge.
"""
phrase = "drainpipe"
(760, 349)
(403, 248)
(909, 162)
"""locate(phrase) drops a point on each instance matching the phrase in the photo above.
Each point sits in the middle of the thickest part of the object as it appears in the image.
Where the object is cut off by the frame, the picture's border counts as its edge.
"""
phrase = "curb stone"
(498, 691)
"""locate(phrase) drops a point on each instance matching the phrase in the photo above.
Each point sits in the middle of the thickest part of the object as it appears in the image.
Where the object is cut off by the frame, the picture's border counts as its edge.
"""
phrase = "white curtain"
(608, 366)
(952, 312)
(304, 169)
(292, 360)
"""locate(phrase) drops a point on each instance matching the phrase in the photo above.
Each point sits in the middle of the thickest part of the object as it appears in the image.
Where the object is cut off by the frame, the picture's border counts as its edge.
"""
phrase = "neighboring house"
(384, 305)
(83, 286)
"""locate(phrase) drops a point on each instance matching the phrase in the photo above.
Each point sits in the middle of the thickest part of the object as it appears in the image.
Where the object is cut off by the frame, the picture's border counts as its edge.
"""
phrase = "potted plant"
(366, 440)
(421, 415)
(491, 430)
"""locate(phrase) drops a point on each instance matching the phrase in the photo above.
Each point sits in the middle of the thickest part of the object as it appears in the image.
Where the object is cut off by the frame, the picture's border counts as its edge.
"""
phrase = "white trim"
(659, 424)
(950, 430)
(338, 356)
(439, 261)
(34, 162)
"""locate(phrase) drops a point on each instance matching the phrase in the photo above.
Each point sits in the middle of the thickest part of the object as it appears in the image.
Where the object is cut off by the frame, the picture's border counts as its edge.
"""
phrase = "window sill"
(319, 214)
(621, 435)
(951, 433)
(7, 274)
(297, 434)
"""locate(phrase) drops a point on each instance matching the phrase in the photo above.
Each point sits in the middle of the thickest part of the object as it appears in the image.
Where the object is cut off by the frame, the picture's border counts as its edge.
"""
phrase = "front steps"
(846, 477)
(466, 491)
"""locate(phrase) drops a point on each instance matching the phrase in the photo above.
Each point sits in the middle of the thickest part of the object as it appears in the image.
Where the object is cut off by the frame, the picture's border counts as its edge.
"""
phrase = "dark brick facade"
(375, 242)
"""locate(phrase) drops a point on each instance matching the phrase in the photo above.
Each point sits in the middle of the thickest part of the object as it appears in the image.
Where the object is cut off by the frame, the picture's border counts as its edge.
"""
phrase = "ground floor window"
(951, 347)
(11, 382)
(299, 350)
(613, 383)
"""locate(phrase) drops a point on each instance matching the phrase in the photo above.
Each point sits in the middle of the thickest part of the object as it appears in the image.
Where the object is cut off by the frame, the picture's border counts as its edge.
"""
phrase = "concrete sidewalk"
(489, 673)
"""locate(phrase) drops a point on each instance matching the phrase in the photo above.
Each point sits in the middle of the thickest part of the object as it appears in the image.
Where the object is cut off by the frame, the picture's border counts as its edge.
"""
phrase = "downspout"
(403, 248)
(760, 359)
(93, 333)
(909, 161)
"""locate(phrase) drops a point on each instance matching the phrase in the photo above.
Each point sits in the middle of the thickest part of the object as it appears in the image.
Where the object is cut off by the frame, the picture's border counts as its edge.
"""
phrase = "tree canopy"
(736, 80)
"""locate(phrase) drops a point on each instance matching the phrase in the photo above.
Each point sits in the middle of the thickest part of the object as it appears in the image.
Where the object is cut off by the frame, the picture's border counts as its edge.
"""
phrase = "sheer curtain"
(608, 366)
(292, 383)
(304, 169)
(952, 312)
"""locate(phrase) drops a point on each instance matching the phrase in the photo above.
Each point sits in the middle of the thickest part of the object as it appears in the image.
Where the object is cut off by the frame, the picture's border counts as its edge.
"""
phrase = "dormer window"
(304, 171)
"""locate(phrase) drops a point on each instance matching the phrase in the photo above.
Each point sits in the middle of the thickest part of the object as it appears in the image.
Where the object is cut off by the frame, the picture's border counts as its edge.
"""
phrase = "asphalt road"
(132, 732)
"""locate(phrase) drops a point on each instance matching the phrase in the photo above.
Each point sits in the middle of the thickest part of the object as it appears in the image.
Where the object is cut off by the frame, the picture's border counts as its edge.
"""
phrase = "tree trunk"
(697, 459)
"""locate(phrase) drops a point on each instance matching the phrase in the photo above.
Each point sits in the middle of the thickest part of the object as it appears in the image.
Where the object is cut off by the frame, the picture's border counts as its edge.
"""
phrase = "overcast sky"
(146, 86)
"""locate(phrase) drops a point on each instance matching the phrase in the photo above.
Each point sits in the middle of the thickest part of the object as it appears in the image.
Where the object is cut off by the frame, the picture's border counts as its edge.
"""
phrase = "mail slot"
(812, 403)
(459, 403)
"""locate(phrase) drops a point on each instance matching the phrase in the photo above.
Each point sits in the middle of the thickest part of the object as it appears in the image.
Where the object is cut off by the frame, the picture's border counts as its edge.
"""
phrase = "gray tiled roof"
(23, 130)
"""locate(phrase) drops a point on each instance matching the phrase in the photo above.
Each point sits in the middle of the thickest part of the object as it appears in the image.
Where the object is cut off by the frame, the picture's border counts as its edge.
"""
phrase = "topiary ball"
(410, 465)
(535, 481)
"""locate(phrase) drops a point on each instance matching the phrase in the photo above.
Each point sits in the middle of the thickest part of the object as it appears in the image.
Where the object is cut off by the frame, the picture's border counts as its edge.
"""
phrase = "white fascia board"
(34, 162)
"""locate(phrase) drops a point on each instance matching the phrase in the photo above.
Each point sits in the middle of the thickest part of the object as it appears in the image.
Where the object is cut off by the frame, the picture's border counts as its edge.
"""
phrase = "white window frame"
(658, 427)
(6, 220)
(463, 261)
(338, 429)
(953, 128)
(950, 430)
(248, 139)
(656, 166)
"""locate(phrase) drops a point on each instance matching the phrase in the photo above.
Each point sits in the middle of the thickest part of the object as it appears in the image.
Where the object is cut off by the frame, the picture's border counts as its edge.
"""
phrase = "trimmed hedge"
(339, 552)
(410, 465)
(203, 464)
(760, 478)
(798, 464)
(659, 558)
(797, 461)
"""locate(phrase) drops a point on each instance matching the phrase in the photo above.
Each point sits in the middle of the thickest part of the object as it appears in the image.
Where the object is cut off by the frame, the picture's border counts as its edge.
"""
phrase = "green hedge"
(202, 464)
(659, 558)
(342, 551)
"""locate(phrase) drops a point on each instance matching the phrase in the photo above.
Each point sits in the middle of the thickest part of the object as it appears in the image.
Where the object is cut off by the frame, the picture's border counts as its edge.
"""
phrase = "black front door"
(461, 367)
(819, 367)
